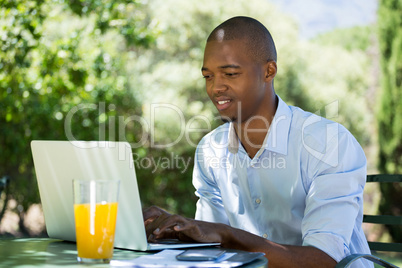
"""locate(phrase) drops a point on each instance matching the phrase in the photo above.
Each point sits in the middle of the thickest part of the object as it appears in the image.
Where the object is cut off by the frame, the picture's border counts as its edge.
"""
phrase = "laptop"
(57, 163)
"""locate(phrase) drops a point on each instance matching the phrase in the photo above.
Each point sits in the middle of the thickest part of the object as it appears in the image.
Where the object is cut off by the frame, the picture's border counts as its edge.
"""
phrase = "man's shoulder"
(308, 123)
(315, 131)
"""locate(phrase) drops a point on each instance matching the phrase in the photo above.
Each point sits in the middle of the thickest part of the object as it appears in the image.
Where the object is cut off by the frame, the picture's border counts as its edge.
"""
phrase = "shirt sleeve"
(209, 206)
(334, 201)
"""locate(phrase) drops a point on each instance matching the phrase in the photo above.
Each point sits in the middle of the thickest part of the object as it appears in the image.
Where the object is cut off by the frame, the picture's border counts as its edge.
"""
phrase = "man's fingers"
(165, 225)
(149, 220)
(198, 231)
(152, 213)
(169, 224)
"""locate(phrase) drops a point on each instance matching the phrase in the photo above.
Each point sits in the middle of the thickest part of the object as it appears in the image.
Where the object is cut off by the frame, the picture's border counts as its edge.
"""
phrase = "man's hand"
(160, 224)
(152, 213)
(189, 230)
(152, 218)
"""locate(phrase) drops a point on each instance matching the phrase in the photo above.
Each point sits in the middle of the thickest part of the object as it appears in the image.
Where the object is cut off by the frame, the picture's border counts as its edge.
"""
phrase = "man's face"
(234, 81)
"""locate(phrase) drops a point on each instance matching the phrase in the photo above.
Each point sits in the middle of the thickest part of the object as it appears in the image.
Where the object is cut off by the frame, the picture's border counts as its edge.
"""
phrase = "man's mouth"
(223, 104)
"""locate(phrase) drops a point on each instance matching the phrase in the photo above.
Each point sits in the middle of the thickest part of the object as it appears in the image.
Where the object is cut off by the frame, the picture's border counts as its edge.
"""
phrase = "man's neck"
(252, 132)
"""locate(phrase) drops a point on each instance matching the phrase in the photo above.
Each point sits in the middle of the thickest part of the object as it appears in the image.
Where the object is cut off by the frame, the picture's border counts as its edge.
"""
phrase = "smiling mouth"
(223, 104)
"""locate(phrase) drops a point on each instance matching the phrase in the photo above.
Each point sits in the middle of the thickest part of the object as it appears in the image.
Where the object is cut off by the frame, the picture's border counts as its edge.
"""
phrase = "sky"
(318, 16)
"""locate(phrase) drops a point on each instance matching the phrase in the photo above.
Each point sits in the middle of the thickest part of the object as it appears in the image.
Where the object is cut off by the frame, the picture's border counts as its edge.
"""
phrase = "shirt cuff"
(328, 243)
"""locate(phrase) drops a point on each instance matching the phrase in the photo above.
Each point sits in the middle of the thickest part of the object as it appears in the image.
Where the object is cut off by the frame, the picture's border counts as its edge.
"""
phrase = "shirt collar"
(278, 133)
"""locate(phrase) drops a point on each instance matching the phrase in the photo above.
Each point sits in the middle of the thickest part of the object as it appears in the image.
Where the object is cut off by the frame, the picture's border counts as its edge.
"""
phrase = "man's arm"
(167, 225)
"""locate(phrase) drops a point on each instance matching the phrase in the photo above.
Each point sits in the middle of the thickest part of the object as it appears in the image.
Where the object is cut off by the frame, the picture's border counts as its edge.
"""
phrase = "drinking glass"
(95, 212)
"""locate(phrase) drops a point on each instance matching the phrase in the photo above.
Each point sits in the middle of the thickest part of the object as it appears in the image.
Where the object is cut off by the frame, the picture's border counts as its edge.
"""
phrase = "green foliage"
(390, 110)
(62, 74)
(355, 38)
(347, 56)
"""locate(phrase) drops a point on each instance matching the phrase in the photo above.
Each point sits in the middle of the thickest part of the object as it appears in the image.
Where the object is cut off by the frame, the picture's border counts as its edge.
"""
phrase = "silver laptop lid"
(57, 163)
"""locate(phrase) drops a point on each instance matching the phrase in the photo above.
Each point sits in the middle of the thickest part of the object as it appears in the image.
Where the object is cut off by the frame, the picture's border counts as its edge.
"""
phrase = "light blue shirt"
(303, 187)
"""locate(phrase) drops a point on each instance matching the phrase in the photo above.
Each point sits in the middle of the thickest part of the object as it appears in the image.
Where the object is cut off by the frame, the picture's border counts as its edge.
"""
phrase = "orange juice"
(94, 227)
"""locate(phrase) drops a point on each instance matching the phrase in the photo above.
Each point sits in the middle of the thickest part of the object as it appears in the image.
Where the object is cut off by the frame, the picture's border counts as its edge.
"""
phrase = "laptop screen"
(57, 163)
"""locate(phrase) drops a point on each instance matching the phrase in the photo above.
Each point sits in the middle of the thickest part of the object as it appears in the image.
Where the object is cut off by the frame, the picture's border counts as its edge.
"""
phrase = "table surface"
(46, 252)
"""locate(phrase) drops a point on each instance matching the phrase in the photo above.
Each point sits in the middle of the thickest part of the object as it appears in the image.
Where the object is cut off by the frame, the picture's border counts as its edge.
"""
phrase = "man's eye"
(232, 74)
(207, 76)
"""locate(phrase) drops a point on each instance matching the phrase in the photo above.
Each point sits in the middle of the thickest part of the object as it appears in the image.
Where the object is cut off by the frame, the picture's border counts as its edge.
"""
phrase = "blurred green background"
(88, 69)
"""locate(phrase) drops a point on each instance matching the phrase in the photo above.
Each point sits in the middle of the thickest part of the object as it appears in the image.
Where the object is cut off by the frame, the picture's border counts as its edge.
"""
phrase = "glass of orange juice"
(95, 212)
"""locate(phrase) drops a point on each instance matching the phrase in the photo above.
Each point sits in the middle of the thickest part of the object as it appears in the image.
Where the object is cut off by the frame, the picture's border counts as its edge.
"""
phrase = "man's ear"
(270, 71)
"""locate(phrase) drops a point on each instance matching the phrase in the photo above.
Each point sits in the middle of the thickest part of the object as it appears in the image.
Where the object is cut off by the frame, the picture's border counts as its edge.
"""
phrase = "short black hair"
(257, 37)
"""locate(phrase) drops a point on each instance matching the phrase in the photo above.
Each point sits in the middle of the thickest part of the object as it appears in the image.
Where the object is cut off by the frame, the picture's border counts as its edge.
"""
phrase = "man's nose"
(219, 85)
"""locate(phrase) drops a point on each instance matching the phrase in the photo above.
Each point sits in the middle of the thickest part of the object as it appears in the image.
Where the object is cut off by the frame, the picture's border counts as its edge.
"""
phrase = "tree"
(58, 57)
(390, 107)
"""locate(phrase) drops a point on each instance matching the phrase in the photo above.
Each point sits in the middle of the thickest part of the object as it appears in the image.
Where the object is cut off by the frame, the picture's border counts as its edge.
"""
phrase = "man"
(273, 178)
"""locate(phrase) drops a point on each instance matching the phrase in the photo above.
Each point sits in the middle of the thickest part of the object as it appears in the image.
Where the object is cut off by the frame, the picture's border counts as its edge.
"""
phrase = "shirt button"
(265, 235)
(258, 200)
